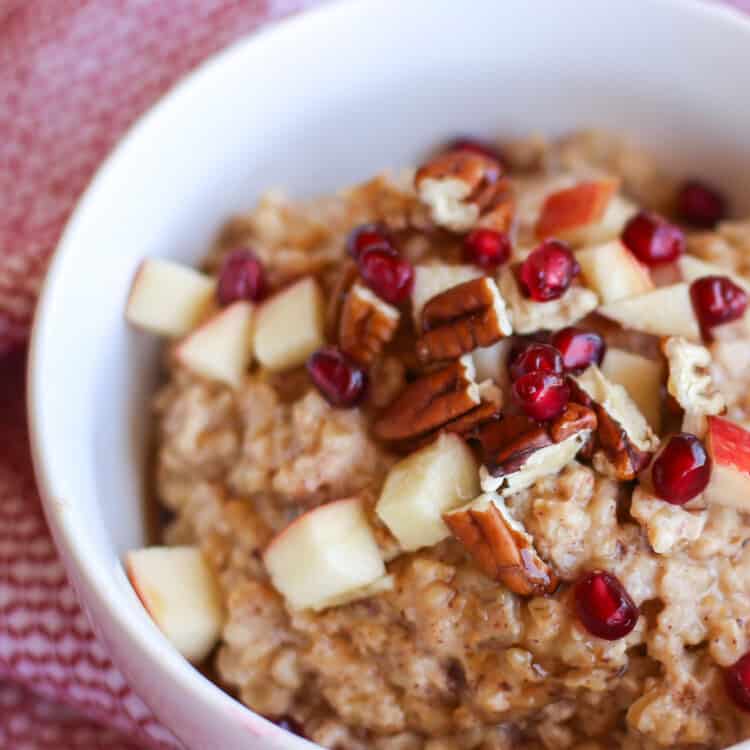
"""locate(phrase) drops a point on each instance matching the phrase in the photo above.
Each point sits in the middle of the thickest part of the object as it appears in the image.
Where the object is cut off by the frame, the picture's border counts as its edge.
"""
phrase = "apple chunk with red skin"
(325, 557)
(565, 212)
(729, 448)
(168, 298)
(221, 348)
(178, 590)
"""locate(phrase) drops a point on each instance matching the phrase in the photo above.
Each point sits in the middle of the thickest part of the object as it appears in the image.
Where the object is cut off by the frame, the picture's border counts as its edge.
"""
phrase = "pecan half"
(574, 419)
(430, 402)
(457, 186)
(501, 547)
(466, 426)
(461, 319)
(367, 324)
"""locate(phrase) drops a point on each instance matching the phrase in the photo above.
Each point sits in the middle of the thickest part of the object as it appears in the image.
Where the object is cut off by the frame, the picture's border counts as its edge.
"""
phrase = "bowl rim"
(84, 575)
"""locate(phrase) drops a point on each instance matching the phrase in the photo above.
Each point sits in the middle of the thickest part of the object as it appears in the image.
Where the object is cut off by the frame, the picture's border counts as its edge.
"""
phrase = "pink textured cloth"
(74, 74)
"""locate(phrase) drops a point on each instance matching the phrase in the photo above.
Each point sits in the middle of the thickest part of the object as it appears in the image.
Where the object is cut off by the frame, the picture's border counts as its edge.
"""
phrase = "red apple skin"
(729, 445)
(729, 448)
(153, 607)
(574, 207)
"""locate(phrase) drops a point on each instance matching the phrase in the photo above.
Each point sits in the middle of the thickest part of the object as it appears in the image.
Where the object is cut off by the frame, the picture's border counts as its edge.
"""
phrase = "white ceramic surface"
(318, 102)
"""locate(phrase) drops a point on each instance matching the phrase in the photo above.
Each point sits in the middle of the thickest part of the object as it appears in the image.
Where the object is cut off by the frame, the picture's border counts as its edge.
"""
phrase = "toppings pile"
(584, 340)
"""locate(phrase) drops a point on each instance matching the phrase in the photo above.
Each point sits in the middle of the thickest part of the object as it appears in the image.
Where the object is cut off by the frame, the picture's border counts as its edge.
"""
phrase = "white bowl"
(313, 104)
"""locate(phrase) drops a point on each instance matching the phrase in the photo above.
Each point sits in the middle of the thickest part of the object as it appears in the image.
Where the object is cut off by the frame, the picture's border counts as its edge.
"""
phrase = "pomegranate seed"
(474, 145)
(604, 607)
(579, 348)
(486, 248)
(701, 205)
(389, 275)
(717, 300)
(547, 272)
(341, 381)
(241, 277)
(366, 236)
(535, 357)
(542, 395)
(652, 239)
(681, 470)
(737, 682)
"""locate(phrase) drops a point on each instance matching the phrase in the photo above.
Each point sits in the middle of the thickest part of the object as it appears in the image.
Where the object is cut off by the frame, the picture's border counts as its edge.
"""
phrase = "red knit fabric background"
(74, 74)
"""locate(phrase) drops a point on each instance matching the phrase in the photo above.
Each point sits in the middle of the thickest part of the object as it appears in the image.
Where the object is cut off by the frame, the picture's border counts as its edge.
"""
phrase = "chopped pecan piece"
(461, 319)
(619, 458)
(457, 186)
(623, 434)
(507, 444)
(574, 419)
(500, 546)
(499, 215)
(430, 402)
(367, 324)
(345, 279)
(517, 451)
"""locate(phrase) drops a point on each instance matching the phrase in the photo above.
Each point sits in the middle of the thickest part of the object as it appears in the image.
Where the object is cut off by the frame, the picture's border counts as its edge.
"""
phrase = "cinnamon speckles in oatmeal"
(370, 591)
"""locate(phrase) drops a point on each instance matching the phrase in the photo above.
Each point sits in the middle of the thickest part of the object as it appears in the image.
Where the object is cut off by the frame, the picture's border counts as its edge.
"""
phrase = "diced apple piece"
(178, 590)
(566, 211)
(491, 362)
(168, 298)
(423, 486)
(728, 445)
(324, 555)
(220, 348)
(613, 272)
(666, 311)
(641, 378)
(429, 281)
(289, 326)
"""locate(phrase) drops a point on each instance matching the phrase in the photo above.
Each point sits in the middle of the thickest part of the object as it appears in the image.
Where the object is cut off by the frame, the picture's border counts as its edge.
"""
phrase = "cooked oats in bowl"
(458, 458)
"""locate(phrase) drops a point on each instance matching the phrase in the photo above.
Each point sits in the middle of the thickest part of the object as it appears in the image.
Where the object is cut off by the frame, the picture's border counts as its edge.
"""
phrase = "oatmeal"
(459, 458)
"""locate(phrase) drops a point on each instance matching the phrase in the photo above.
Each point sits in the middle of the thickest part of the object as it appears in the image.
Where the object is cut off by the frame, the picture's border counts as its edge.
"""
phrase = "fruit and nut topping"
(459, 458)
(459, 185)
